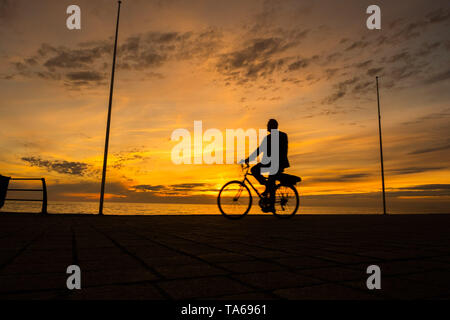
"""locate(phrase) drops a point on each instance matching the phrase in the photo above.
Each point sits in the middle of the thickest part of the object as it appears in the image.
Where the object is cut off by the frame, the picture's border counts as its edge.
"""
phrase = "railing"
(44, 192)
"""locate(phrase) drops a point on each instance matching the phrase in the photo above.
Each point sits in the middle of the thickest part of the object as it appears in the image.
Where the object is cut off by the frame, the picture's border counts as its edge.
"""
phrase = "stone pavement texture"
(210, 257)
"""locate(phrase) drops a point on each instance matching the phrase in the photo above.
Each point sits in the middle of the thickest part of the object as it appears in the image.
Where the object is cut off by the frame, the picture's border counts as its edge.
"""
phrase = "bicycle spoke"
(286, 201)
(234, 200)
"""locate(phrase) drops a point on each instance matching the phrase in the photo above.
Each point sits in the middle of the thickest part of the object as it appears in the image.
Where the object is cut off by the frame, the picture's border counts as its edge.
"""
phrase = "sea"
(127, 208)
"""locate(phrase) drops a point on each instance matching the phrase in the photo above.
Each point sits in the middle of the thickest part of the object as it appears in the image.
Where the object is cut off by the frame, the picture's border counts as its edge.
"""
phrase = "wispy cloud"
(88, 63)
(349, 177)
(8, 9)
(257, 59)
(59, 166)
(441, 76)
(341, 90)
(431, 149)
(174, 189)
(413, 170)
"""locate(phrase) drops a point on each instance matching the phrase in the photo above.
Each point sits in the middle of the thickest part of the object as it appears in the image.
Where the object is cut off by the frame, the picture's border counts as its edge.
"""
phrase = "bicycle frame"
(249, 182)
(281, 198)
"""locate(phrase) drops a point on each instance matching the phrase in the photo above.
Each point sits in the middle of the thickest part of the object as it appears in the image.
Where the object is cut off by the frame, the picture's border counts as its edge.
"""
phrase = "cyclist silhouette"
(265, 164)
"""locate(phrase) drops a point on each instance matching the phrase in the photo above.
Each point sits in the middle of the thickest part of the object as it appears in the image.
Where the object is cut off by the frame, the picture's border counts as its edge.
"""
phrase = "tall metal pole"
(108, 123)
(381, 149)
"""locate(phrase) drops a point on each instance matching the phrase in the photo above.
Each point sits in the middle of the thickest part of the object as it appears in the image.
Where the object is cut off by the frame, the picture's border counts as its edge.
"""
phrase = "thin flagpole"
(381, 149)
(108, 123)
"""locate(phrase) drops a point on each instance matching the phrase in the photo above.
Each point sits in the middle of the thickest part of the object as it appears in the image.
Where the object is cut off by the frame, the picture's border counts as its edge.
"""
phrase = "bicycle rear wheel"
(234, 200)
(286, 201)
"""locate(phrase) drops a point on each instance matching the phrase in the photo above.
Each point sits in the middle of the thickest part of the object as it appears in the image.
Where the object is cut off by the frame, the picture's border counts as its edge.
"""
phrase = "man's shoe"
(268, 209)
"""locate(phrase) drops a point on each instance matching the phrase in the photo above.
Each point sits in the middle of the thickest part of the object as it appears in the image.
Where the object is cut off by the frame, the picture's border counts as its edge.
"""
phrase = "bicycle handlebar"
(245, 167)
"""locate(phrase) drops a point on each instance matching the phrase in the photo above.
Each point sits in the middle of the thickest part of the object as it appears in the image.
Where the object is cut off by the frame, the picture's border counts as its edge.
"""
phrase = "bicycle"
(235, 199)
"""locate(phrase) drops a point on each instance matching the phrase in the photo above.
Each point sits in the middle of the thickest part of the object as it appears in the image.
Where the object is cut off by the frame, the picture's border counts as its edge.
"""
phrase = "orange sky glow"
(231, 64)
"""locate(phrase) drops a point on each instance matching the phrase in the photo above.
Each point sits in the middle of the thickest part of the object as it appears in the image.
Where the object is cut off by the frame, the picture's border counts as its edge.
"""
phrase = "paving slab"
(210, 257)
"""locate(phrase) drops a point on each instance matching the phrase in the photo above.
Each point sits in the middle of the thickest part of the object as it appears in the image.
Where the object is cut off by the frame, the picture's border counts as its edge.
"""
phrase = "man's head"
(272, 124)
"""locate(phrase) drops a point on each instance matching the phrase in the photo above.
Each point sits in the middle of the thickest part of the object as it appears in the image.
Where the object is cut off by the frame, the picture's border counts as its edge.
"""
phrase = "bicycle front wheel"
(234, 200)
(286, 201)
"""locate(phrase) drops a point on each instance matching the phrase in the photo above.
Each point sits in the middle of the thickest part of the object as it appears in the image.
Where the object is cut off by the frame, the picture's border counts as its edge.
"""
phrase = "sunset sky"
(231, 64)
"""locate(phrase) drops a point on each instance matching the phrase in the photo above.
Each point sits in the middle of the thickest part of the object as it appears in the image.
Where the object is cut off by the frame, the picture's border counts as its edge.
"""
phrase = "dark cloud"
(123, 158)
(31, 61)
(400, 69)
(302, 63)
(256, 59)
(428, 187)
(69, 58)
(264, 18)
(86, 64)
(403, 56)
(188, 186)
(415, 28)
(331, 72)
(78, 67)
(428, 48)
(403, 72)
(341, 178)
(433, 149)
(438, 15)
(411, 30)
(264, 51)
(374, 71)
(60, 166)
(353, 176)
(333, 57)
(173, 189)
(46, 75)
(8, 9)
(397, 67)
(444, 114)
(411, 170)
(364, 64)
(260, 57)
(153, 49)
(148, 187)
(400, 66)
(441, 76)
(286, 79)
(425, 190)
(341, 90)
(402, 30)
(83, 187)
(85, 76)
(357, 45)
(335, 96)
(363, 87)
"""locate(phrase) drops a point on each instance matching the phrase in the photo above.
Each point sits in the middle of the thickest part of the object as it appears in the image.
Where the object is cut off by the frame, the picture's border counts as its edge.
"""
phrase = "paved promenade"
(209, 257)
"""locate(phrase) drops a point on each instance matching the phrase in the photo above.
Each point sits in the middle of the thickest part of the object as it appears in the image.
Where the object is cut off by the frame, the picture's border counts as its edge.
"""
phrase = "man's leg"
(271, 189)
(256, 172)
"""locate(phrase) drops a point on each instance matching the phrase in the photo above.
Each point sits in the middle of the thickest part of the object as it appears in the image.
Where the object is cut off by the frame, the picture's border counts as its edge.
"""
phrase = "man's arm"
(256, 153)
